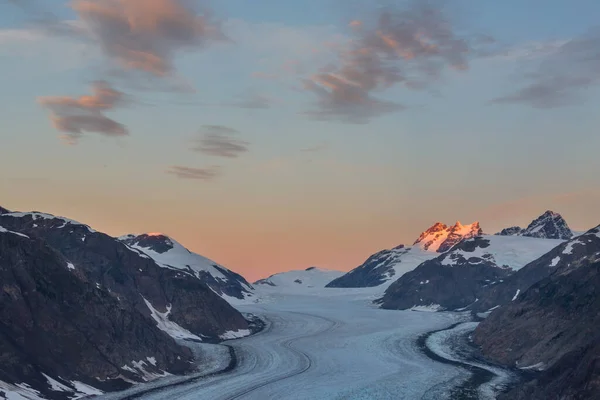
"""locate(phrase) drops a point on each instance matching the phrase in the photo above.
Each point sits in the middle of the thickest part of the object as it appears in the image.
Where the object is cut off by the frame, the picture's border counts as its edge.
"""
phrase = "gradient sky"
(264, 138)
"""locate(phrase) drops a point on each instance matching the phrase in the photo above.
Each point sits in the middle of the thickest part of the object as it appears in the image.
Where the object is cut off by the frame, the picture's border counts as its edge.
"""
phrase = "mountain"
(553, 326)
(168, 253)
(3, 210)
(388, 265)
(563, 254)
(62, 336)
(441, 238)
(459, 277)
(549, 225)
(312, 277)
(181, 304)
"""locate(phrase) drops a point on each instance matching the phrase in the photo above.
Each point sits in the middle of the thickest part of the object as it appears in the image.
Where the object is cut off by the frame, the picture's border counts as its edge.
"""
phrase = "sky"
(272, 135)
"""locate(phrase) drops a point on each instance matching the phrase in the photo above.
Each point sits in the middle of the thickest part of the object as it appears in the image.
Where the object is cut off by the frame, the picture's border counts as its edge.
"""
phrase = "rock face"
(549, 225)
(512, 231)
(574, 376)
(553, 326)
(3, 210)
(132, 277)
(53, 322)
(565, 253)
(440, 238)
(450, 281)
(461, 276)
(170, 254)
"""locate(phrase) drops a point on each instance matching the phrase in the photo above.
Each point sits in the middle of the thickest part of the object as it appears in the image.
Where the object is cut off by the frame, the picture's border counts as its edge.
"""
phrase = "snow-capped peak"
(549, 225)
(440, 237)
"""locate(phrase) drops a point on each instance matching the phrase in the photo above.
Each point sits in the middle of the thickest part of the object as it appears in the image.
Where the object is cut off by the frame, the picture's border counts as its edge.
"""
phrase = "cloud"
(202, 174)
(145, 35)
(218, 141)
(409, 47)
(562, 76)
(74, 116)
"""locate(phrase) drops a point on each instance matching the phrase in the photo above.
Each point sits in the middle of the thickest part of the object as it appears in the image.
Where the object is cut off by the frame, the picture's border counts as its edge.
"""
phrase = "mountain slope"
(549, 225)
(383, 267)
(554, 326)
(180, 303)
(168, 253)
(388, 265)
(459, 277)
(59, 334)
(563, 254)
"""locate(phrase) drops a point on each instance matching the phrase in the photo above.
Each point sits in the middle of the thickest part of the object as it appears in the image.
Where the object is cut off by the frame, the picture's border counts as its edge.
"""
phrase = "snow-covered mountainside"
(168, 253)
(387, 265)
(312, 277)
(460, 276)
(383, 267)
(549, 225)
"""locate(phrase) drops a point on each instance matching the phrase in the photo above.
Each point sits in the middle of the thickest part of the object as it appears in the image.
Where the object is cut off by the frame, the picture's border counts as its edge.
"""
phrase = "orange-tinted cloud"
(144, 35)
(202, 174)
(410, 47)
(74, 116)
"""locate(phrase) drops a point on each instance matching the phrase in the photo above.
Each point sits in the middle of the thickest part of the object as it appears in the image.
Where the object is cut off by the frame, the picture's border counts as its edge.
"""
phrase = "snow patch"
(4, 230)
(84, 390)
(537, 367)
(555, 261)
(516, 295)
(569, 248)
(70, 266)
(56, 386)
(235, 334)
(430, 308)
(20, 391)
(168, 326)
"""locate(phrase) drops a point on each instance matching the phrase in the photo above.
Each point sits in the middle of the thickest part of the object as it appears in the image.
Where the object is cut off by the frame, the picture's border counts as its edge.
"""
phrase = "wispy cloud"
(219, 141)
(201, 174)
(562, 76)
(409, 47)
(75, 116)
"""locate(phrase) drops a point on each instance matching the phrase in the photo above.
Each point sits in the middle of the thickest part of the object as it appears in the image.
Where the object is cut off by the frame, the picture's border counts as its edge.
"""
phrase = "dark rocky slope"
(554, 326)
(451, 281)
(131, 276)
(53, 322)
